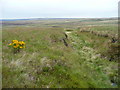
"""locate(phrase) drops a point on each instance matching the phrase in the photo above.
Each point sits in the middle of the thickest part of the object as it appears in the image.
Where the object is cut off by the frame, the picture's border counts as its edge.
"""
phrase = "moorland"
(61, 53)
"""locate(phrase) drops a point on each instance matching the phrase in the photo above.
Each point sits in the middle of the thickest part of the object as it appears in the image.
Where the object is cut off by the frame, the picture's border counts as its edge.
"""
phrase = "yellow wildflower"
(16, 46)
(21, 47)
(21, 43)
(15, 41)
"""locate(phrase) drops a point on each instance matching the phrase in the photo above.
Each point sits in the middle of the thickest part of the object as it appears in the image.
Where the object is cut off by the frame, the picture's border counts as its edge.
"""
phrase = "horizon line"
(55, 17)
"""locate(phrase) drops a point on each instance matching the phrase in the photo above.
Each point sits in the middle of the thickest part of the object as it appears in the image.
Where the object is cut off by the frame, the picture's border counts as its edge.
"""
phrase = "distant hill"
(12, 19)
(112, 18)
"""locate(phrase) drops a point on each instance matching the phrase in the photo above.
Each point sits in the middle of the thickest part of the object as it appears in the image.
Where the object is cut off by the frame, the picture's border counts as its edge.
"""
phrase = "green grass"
(106, 29)
(47, 63)
(0, 58)
(90, 48)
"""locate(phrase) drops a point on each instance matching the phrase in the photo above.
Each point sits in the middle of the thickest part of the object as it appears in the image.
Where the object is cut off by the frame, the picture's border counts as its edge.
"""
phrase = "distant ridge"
(53, 18)
(33, 19)
(13, 19)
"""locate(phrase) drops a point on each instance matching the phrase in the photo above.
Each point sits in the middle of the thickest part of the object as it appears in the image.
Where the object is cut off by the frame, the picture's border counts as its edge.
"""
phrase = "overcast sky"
(58, 8)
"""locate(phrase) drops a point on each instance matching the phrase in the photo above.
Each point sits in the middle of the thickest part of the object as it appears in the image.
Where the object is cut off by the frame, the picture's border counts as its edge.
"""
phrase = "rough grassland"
(47, 62)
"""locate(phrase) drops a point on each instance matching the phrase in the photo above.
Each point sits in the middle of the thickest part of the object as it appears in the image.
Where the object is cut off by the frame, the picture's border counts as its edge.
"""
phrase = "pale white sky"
(58, 8)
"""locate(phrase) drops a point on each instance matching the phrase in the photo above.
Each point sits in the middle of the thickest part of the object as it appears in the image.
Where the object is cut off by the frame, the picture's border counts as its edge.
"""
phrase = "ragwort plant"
(17, 45)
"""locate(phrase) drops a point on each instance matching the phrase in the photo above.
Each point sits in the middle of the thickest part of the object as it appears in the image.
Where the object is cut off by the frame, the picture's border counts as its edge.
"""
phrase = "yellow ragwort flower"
(15, 41)
(16, 46)
(21, 47)
(21, 43)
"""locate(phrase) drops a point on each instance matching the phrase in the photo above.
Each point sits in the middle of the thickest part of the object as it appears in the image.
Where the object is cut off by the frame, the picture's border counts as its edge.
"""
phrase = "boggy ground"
(57, 58)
